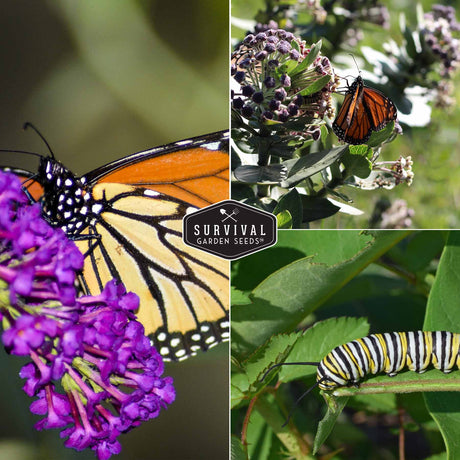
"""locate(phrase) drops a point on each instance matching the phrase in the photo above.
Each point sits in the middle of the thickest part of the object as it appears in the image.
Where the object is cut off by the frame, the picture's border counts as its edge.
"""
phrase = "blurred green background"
(435, 149)
(102, 80)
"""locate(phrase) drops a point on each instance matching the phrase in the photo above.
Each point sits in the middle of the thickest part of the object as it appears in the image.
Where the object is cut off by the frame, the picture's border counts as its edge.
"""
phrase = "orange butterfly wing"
(363, 110)
(197, 176)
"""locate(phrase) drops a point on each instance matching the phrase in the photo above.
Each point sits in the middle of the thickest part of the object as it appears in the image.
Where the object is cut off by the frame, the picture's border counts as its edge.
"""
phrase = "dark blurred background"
(102, 80)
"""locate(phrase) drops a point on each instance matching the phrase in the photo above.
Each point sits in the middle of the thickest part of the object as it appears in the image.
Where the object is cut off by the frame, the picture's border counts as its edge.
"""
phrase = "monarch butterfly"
(126, 218)
(363, 110)
(390, 352)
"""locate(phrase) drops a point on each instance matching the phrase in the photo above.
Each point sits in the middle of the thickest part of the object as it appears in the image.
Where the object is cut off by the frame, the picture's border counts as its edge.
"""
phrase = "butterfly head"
(64, 195)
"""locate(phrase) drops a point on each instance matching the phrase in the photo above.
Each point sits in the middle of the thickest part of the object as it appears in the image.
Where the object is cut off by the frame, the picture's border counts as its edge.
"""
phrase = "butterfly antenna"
(300, 399)
(30, 125)
(356, 64)
(286, 364)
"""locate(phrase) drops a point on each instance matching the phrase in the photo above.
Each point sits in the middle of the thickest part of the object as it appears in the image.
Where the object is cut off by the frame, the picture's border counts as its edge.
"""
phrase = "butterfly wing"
(363, 110)
(138, 239)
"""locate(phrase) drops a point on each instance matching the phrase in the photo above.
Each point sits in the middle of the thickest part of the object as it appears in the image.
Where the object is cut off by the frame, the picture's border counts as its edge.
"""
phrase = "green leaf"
(238, 451)
(442, 456)
(417, 252)
(260, 438)
(311, 56)
(315, 208)
(273, 352)
(379, 403)
(334, 409)
(443, 313)
(254, 174)
(238, 297)
(317, 341)
(316, 86)
(284, 219)
(271, 413)
(300, 169)
(379, 137)
(292, 203)
(356, 161)
(288, 296)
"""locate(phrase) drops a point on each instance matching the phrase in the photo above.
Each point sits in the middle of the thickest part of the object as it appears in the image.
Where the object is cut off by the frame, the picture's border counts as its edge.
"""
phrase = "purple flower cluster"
(37, 261)
(93, 370)
(438, 29)
(270, 86)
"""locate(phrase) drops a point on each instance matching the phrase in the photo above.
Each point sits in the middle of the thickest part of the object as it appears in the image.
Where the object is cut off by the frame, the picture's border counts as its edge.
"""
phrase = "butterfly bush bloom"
(92, 370)
(274, 85)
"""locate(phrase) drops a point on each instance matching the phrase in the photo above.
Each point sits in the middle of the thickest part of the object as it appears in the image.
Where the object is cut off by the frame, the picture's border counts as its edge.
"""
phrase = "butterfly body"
(126, 218)
(363, 111)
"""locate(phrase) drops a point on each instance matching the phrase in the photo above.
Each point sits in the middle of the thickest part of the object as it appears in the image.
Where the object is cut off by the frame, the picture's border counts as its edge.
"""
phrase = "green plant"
(285, 305)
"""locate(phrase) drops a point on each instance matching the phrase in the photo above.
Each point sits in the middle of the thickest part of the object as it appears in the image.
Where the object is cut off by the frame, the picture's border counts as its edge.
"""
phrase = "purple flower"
(92, 346)
(266, 67)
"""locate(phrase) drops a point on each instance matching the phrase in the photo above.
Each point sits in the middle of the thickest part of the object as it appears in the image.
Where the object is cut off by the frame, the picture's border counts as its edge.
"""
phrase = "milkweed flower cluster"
(388, 174)
(397, 216)
(439, 29)
(93, 371)
(279, 80)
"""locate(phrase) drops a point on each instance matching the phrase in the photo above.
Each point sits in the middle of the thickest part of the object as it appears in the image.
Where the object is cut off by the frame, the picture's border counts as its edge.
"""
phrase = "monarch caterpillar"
(389, 352)
(126, 218)
(363, 110)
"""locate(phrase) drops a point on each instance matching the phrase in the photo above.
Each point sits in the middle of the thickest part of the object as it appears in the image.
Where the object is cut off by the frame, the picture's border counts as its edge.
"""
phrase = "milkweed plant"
(91, 371)
(302, 302)
(285, 158)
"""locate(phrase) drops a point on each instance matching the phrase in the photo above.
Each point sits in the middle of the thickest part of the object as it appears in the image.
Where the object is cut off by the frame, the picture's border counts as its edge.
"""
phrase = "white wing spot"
(180, 353)
(68, 182)
(204, 328)
(175, 342)
(164, 351)
(96, 208)
(212, 146)
(187, 141)
(67, 214)
(161, 336)
(196, 337)
(210, 339)
(149, 192)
